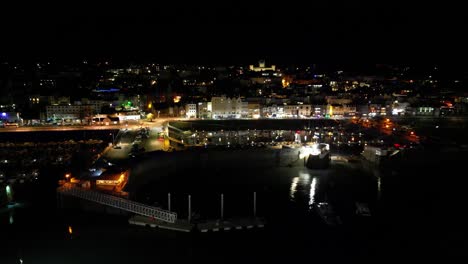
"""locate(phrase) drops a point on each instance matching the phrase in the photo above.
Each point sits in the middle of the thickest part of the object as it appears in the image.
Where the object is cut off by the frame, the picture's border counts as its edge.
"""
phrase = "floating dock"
(209, 226)
(178, 225)
(233, 224)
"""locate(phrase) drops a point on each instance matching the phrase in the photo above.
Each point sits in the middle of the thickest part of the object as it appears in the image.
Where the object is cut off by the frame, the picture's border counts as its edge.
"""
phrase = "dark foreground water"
(418, 215)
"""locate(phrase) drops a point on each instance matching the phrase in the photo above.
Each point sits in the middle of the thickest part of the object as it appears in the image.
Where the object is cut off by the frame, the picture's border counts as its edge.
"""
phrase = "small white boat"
(328, 215)
(362, 209)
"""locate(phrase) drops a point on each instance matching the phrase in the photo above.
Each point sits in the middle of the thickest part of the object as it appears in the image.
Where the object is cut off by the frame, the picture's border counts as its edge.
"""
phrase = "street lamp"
(112, 137)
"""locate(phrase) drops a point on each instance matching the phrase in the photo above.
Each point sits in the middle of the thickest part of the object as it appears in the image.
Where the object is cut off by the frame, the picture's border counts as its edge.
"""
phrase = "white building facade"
(69, 112)
(224, 107)
(274, 111)
(300, 110)
(205, 110)
(191, 110)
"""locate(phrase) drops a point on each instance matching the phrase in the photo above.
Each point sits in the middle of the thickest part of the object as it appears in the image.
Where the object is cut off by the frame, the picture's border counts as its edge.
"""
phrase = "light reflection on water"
(302, 187)
(11, 219)
(379, 191)
(312, 191)
(304, 176)
(292, 190)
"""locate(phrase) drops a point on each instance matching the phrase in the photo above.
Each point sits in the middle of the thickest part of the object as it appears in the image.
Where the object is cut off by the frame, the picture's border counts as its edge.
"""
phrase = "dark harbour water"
(418, 215)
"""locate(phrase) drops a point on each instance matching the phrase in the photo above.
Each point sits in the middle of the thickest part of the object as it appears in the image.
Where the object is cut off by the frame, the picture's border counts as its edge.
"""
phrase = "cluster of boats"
(331, 218)
(19, 177)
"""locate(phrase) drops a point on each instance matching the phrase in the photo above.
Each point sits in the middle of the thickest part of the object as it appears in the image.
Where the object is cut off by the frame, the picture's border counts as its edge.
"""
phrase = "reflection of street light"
(8, 193)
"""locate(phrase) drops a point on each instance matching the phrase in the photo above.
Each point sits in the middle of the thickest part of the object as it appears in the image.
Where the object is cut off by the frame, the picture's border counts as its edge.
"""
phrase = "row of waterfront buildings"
(220, 107)
(226, 108)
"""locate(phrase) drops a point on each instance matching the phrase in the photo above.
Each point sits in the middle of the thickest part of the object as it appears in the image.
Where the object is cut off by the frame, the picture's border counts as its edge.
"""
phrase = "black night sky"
(236, 31)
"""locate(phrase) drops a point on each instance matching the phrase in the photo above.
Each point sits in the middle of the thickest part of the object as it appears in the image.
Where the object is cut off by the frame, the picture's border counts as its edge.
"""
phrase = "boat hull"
(321, 161)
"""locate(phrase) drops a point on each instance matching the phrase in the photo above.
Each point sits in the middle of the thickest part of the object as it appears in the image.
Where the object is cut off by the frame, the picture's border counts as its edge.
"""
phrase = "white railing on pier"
(120, 203)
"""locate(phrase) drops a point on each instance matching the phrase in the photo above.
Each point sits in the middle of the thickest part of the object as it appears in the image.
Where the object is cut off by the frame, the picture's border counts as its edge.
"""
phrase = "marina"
(348, 200)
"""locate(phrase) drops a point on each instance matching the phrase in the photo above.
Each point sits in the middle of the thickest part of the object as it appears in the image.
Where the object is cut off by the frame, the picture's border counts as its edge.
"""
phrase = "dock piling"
(255, 204)
(189, 208)
(169, 202)
(222, 207)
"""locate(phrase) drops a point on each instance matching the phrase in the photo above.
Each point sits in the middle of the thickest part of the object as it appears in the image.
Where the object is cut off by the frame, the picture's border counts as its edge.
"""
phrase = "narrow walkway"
(123, 204)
